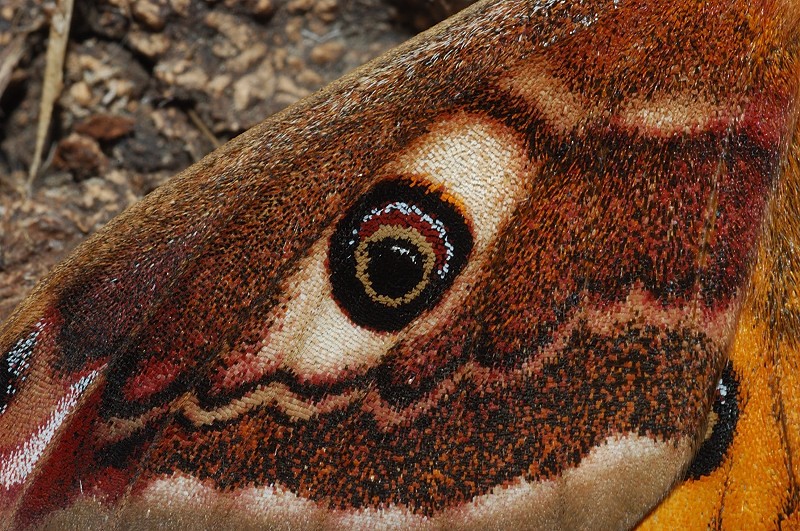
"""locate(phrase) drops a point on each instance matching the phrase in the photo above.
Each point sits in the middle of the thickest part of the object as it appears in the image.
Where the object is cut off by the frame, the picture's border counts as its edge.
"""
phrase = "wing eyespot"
(14, 367)
(396, 252)
(722, 427)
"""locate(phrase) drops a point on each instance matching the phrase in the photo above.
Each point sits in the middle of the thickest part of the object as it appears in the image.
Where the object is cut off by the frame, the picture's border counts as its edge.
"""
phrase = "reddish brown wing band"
(492, 277)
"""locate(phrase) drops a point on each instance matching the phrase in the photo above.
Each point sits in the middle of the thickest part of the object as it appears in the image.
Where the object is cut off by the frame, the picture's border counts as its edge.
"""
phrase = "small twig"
(204, 130)
(318, 39)
(53, 79)
(9, 58)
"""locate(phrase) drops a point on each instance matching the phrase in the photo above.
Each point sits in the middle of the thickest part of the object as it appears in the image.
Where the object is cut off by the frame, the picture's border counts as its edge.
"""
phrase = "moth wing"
(751, 475)
(558, 377)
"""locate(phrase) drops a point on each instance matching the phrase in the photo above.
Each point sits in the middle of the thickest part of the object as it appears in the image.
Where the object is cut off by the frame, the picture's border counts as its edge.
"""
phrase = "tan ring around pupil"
(401, 233)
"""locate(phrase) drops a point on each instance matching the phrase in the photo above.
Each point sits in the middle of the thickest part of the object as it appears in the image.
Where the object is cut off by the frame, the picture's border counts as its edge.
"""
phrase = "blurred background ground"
(151, 86)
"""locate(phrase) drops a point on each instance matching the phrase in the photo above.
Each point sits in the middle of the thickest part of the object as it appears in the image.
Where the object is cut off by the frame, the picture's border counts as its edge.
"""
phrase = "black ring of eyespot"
(713, 449)
(395, 253)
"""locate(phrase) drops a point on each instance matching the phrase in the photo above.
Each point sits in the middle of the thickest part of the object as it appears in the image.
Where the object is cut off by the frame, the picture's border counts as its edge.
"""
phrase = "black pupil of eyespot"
(396, 267)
